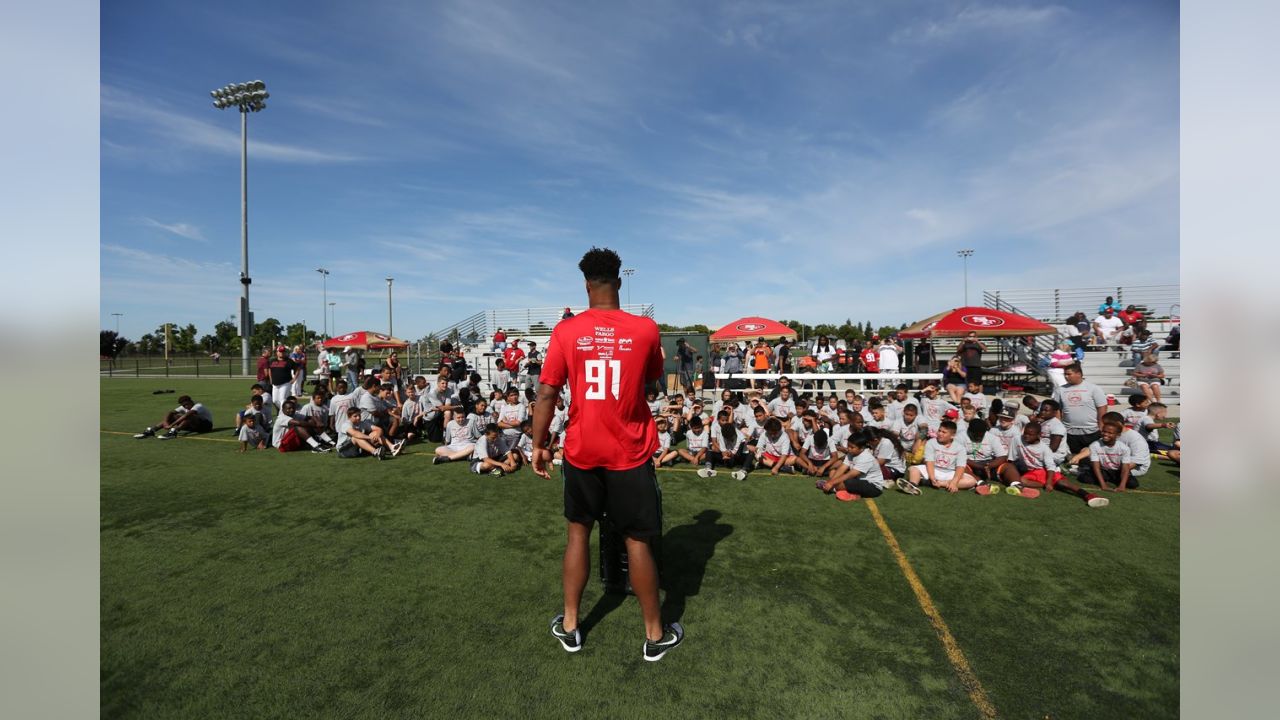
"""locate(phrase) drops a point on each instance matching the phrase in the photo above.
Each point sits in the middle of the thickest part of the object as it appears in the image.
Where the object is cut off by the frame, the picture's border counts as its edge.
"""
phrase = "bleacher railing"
(521, 321)
(1055, 305)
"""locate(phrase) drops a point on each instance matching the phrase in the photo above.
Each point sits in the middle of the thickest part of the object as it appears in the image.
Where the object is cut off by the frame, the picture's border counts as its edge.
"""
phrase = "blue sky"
(815, 160)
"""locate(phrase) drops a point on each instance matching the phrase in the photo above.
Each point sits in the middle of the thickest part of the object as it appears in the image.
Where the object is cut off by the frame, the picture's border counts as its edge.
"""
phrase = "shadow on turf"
(686, 551)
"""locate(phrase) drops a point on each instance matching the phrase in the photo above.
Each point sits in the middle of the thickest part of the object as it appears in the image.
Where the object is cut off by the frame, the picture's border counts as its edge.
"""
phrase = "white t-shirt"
(780, 408)
(770, 446)
(280, 427)
(1139, 451)
(813, 453)
(664, 442)
(252, 435)
(459, 434)
(888, 357)
(717, 434)
(885, 451)
(945, 457)
(1034, 457)
(697, 441)
(865, 464)
(1108, 326)
(1110, 458)
(200, 410)
(345, 425)
(512, 413)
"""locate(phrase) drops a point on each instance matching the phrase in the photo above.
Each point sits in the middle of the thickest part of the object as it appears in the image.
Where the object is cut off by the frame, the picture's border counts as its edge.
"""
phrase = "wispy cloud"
(154, 117)
(979, 18)
(186, 230)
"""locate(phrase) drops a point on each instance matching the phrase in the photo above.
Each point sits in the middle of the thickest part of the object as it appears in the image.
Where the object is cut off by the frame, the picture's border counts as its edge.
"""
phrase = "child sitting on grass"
(697, 441)
(491, 455)
(1032, 466)
(664, 456)
(860, 474)
(728, 447)
(1110, 461)
(945, 465)
(888, 452)
(912, 433)
(815, 457)
(258, 404)
(774, 448)
(251, 435)
(358, 437)
(460, 436)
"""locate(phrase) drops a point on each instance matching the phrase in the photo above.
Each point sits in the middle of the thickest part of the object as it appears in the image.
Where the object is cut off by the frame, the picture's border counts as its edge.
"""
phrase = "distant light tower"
(629, 272)
(333, 323)
(390, 328)
(966, 254)
(324, 317)
(247, 97)
(118, 316)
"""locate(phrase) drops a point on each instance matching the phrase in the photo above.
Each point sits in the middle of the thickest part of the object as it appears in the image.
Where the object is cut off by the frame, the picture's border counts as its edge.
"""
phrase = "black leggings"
(1086, 476)
(741, 459)
(861, 486)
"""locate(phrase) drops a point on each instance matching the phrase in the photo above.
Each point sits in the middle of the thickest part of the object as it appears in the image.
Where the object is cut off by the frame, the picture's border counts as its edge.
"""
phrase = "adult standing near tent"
(351, 362)
(890, 356)
(609, 358)
(761, 358)
(970, 352)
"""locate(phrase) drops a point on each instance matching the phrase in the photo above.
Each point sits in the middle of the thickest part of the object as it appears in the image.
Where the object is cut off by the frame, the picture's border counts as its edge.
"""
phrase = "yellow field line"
(949, 644)
(1155, 492)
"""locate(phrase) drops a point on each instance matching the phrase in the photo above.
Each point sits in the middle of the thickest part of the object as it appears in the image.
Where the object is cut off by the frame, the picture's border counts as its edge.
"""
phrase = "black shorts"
(632, 498)
(350, 450)
(201, 425)
(862, 486)
(1076, 443)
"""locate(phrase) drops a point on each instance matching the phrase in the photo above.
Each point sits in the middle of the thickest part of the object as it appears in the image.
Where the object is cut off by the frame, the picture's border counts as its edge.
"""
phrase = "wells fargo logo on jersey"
(749, 327)
(982, 321)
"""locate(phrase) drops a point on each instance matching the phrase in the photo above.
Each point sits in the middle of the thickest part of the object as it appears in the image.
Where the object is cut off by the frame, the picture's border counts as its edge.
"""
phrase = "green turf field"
(270, 585)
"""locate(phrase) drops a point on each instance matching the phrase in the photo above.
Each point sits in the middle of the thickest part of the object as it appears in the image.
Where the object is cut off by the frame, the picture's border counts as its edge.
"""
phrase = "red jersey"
(511, 357)
(871, 360)
(607, 357)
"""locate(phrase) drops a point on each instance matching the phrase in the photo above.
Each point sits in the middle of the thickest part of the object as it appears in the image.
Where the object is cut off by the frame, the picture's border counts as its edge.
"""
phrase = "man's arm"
(542, 412)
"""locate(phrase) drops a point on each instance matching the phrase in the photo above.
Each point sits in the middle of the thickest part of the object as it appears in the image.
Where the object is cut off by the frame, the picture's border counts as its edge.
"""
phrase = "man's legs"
(576, 570)
(644, 583)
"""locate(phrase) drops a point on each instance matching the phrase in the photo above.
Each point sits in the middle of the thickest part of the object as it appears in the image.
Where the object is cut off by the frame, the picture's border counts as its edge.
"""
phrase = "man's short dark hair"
(600, 265)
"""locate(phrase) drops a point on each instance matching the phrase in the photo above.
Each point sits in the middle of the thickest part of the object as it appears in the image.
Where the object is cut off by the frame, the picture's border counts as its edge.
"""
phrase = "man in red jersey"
(608, 357)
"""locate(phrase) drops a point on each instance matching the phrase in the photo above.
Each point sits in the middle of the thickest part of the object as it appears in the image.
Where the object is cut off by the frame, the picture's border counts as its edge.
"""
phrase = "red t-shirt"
(871, 360)
(511, 357)
(607, 357)
(499, 336)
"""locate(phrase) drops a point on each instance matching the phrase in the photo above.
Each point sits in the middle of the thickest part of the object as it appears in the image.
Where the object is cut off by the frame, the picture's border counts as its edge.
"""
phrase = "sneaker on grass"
(672, 635)
(738, 475)
(905, 486)
(706, 472)
(571, 640)
(149, 432)
(1096, 502)
(169, 435)
(496, 472)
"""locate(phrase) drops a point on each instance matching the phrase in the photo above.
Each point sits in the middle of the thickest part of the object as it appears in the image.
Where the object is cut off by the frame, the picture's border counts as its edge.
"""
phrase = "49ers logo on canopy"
(749, 327)
(982, 321)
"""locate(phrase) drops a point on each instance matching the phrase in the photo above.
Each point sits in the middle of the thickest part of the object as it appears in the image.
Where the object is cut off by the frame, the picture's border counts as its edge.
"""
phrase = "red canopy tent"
(366, 340)
(750, 328)
(984, 321)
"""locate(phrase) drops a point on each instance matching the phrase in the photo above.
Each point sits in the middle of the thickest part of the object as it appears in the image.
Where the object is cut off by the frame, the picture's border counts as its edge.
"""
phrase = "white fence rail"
(520, 321)
(1055, 305)
(887, 380)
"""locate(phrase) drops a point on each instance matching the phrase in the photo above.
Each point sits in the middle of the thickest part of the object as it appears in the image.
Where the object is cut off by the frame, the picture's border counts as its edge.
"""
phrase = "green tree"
(184, 339)
(110, 344)
(888, 330)
(226, 336)
(267, 333)
(148, 344)
(299, 334)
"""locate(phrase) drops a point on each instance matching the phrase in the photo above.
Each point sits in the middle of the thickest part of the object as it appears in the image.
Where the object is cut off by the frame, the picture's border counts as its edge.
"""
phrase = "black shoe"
(672, 635)
(438, 459)
(320, 449)
(144, 434)
(571, 640)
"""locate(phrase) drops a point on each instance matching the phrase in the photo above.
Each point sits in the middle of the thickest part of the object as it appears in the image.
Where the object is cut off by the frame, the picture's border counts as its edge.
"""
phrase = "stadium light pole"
(118, 316)
(966, 255)
(389, 326)
(333, 323)
(246, 97)
(628, 273)
(324, 317)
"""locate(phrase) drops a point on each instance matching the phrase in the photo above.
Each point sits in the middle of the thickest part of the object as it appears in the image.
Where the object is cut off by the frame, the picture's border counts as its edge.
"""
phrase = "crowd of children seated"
(853, 447)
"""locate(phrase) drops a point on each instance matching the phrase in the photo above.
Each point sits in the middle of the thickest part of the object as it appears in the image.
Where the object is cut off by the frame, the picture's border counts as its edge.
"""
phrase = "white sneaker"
(395, 448)
(705, 472)
(557, 461)
(1099, 502)
(738, 475)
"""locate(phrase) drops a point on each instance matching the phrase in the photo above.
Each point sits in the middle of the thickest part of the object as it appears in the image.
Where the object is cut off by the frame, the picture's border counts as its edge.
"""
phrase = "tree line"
(224, 339)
